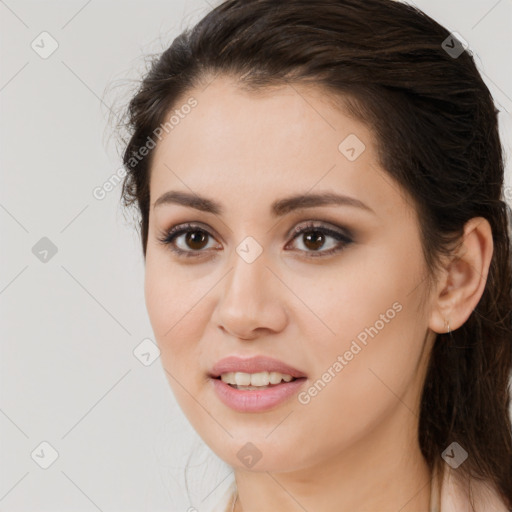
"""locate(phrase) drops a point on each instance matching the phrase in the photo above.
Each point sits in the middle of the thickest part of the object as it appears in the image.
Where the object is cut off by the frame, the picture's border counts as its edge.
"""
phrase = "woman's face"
(340, 302)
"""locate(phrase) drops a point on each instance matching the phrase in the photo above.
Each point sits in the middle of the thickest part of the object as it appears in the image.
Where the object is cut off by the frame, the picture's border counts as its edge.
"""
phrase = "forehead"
(230, 125)
(274, 142)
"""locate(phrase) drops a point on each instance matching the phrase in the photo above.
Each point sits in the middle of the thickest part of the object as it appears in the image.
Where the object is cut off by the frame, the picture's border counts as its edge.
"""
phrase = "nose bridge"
(248, 274)
(249, 297)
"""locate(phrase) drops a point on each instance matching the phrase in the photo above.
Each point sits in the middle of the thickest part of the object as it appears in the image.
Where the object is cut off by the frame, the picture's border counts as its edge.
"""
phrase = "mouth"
(255, 381)
(255, 384)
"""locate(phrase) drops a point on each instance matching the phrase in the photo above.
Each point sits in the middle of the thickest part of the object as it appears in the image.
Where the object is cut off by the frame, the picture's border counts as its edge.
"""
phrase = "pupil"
(318, 235)
(193, 239)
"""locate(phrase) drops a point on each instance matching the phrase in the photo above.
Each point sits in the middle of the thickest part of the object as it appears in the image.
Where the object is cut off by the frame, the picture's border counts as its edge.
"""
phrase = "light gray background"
(69, 326)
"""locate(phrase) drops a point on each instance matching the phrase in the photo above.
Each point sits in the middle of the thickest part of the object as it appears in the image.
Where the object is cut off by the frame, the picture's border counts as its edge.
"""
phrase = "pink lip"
(253, 365)
(254, 400)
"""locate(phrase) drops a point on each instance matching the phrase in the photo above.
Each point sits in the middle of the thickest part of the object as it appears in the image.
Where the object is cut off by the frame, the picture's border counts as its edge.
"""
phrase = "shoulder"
(449, 494)
(457, 496)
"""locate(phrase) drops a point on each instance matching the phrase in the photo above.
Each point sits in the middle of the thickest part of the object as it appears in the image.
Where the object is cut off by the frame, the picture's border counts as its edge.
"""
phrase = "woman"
(327, 255)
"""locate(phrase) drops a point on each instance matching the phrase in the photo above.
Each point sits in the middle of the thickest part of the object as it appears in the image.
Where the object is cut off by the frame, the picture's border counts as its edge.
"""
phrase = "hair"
(436, 128)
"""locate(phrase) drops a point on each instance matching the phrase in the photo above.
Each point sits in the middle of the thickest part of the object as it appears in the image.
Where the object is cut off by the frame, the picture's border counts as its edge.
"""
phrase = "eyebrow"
(279, 208)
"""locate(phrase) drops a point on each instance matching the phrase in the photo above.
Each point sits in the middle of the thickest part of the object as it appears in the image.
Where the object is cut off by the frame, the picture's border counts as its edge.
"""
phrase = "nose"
(252, 300)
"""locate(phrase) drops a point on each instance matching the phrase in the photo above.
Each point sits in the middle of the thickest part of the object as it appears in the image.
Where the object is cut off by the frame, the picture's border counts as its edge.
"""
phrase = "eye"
(196, 239)
(313, 236)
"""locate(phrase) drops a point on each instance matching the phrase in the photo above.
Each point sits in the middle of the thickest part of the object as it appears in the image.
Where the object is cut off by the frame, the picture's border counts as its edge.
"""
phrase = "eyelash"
(167, 238)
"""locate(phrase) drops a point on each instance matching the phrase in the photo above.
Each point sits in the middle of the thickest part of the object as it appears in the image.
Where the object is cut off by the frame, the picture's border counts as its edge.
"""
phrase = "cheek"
(364, 292)
(372, 321)
(171, 300)
(175, 320)
(348, 399)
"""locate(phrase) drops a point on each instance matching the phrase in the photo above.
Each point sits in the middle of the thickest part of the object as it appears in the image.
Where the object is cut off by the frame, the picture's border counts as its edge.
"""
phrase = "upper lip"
(254, 364)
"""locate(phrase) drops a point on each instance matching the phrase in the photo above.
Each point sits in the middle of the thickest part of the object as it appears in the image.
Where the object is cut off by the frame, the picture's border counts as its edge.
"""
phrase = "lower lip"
(255, 400)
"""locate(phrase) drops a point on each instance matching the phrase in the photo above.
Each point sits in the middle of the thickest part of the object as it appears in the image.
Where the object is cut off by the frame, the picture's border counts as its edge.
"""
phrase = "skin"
(354, 445)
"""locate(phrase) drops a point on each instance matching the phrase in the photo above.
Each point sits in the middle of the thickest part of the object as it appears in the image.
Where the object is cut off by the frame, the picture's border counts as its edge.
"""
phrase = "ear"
(464, 279)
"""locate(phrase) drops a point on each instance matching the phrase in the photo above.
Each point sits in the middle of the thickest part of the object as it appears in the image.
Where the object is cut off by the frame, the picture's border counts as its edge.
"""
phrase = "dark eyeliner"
(344, 238)
(167, 238)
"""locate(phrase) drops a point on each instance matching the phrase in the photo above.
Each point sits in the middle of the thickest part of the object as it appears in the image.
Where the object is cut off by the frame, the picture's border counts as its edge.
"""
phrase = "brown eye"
(196, 239)
(314, 237)
(314, 240)
(187, 240)
(190, 240)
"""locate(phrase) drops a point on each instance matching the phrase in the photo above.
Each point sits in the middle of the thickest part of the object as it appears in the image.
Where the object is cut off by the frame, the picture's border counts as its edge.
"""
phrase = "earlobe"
(465, 277)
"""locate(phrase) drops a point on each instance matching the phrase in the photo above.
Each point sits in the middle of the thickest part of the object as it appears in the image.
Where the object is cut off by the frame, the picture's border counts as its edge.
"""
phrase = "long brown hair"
(393, 67)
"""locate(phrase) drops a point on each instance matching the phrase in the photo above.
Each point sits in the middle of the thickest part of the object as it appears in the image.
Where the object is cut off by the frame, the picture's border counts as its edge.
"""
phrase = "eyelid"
(342, 235)
(343, 238)
(165, 235)
(320, 224)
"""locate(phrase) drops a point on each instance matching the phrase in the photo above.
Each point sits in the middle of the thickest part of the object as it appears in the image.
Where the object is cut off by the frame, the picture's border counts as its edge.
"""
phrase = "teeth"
(260, 379)
(242, 379)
